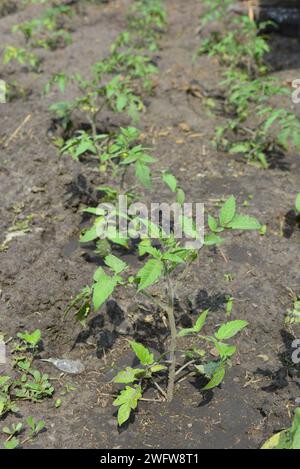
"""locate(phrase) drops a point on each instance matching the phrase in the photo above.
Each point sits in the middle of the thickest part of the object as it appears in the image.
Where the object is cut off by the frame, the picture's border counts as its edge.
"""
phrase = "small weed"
(22, 56)
(95, 95)
(34, 428)
(293, 315)
(147, 18)
(26, 383)
(30, 341)
(46, 32)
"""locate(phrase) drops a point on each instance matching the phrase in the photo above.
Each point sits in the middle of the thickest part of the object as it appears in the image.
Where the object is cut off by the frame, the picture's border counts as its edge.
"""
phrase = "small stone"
(148, 319)
(36, 189)
(184, 127)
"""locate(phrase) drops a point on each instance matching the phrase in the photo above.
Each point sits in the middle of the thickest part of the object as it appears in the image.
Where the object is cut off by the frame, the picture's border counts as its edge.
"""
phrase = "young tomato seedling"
(94, 95)
(161, 270)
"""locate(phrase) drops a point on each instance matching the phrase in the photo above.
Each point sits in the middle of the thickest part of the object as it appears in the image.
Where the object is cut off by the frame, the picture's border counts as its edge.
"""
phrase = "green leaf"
(244, 222)
(129, 375)
(40, 426)
(2, 406)
(239, 148)
(32, 339)
(143, 354)
(225, 350)
(213, 225)
(19, 427)
(296, 439)
(143, 174)
(157, 368)
(98, 274)
(189, 227)
(11, 444)
(227, 211)
(170, 180)
(89, 235)
(30, 422)
(145, 247)
(102, 290)
(115, 263)
(94, 211)
(296, 421)
(146, 158)
(209, 368)
(127, 400)
(280, 440)
(298, 203)
(212, 240)
(282, 138)
(216, 379)
(180, 196)
(200, 321)
(150, 273)
(121, 102)
(186, 331)
(172, 258)
(83, 147)
(4, 380)
(121, 241)
(197, 327)
(269, 122)
(230, 329)
(263, 160)
(123, 413)
(6, 430)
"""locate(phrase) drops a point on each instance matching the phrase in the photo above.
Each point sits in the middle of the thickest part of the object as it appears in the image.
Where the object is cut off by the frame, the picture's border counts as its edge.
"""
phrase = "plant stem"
(172, 369)
(159, 389)
(173, 343)
(185, 366)
(122, 182)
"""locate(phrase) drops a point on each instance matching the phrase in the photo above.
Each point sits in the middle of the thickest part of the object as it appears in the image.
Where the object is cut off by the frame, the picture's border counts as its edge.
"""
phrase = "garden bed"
(44, 265)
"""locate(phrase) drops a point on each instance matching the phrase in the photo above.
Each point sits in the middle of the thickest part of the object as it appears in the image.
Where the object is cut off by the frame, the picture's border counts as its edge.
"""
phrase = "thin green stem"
(173, 342)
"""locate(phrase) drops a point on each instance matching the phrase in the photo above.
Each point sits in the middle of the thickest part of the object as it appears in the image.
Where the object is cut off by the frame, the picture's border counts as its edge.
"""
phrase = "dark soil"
(42, 270)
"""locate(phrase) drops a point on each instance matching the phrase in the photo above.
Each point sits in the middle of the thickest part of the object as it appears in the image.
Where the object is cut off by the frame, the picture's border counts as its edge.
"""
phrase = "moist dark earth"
(43, 269)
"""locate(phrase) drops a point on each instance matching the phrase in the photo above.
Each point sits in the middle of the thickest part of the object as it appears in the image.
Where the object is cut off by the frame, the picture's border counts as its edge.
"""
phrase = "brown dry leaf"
(184, 127)
(195, 90)
(264, 357)
(163, 133)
